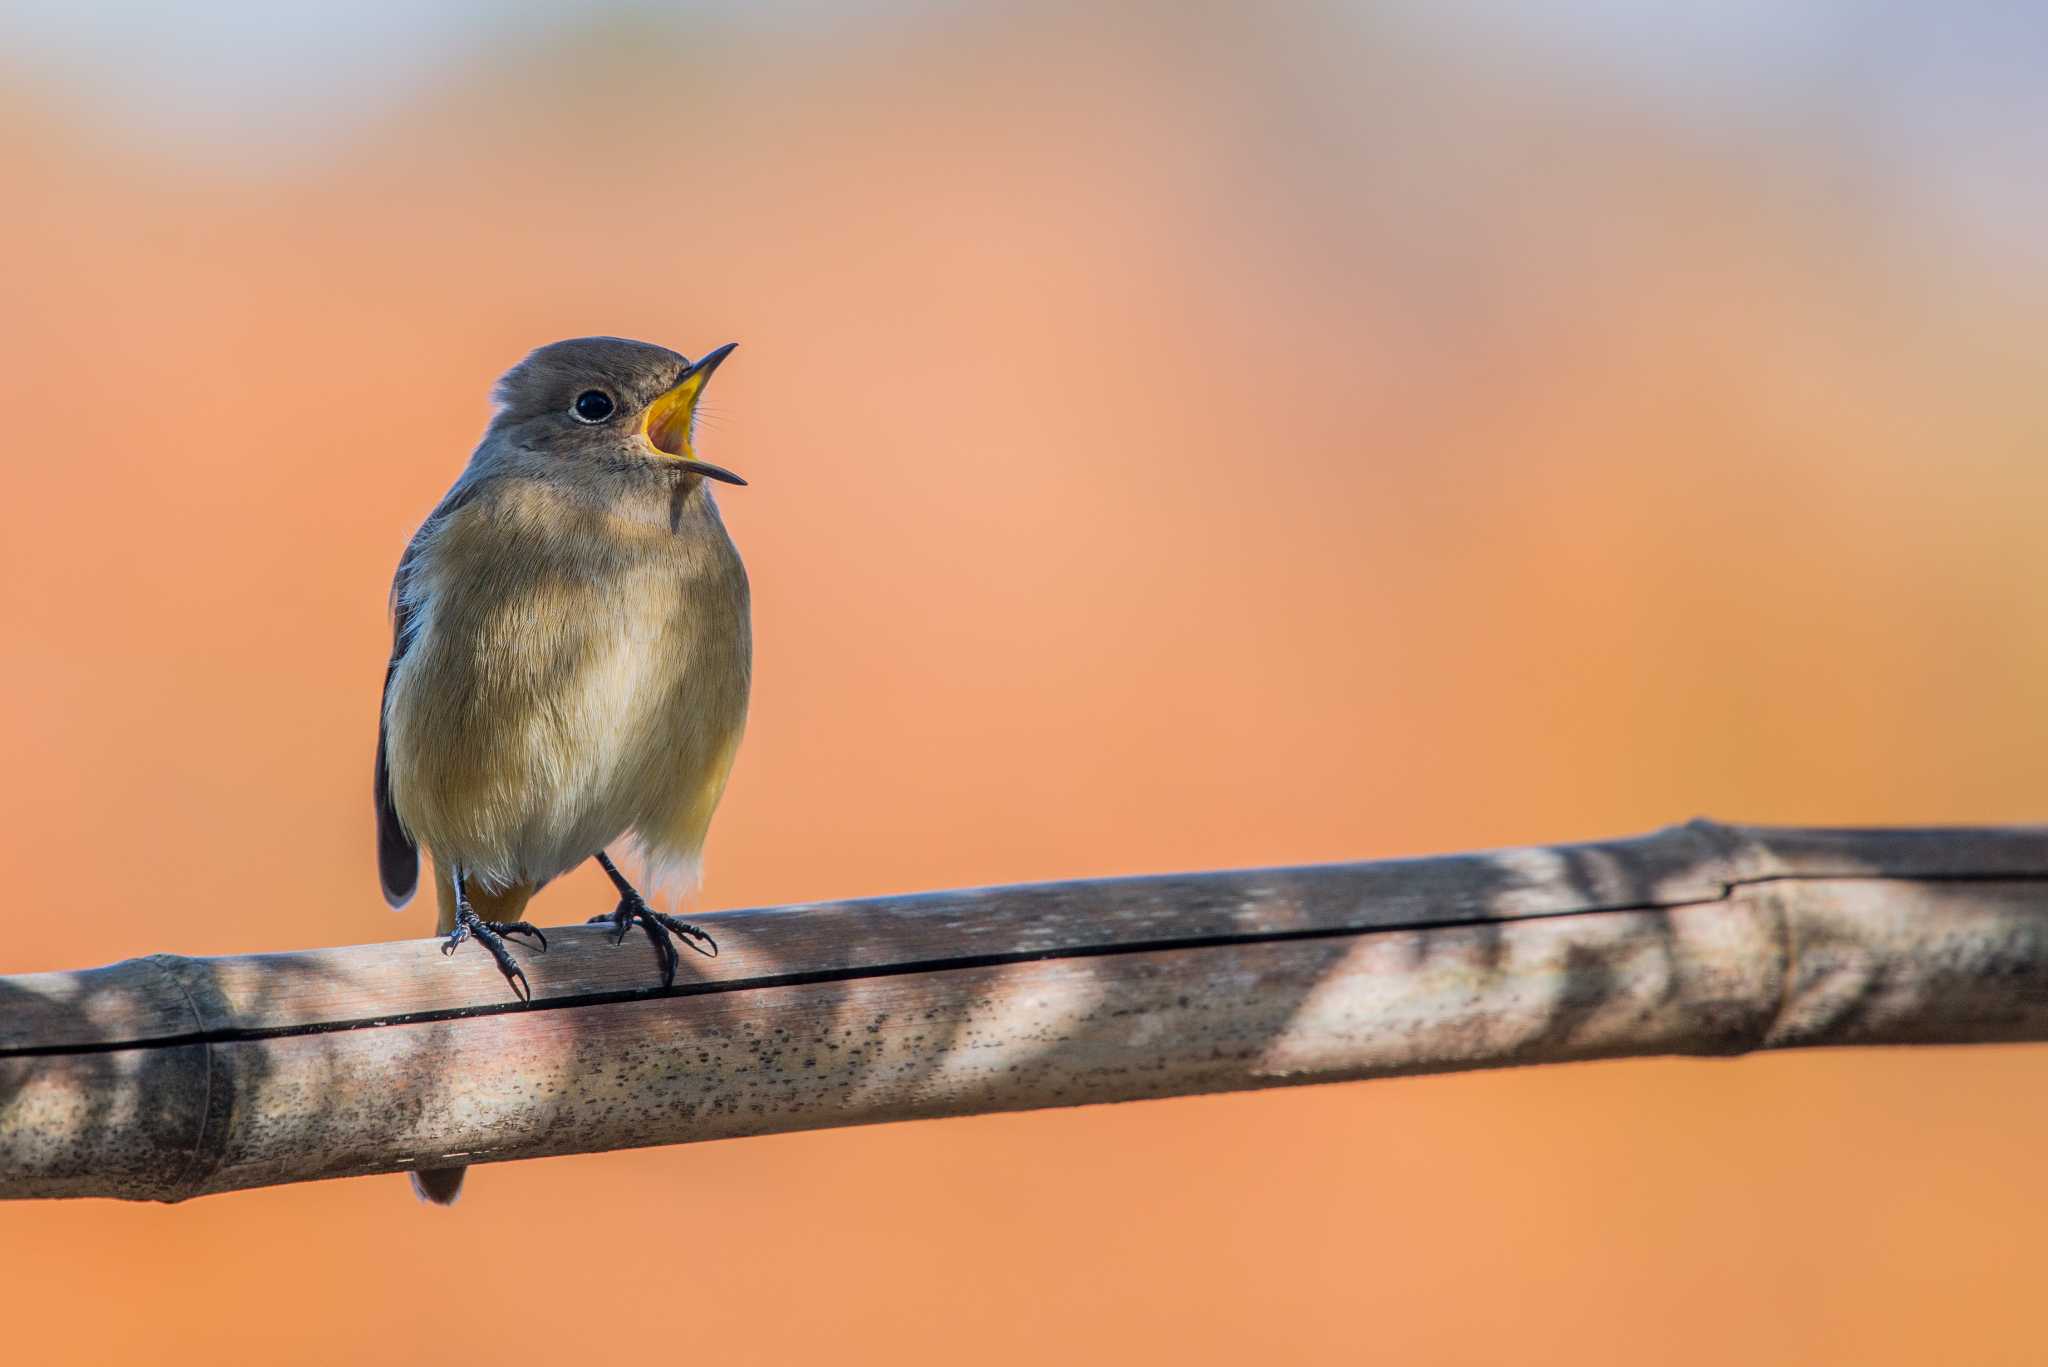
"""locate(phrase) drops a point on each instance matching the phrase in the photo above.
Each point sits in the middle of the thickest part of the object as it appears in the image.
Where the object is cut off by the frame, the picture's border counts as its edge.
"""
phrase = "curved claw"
(522, 928)
(660, 928)
(691, 934)
(514, 974)
(669, 959)
(490, 935)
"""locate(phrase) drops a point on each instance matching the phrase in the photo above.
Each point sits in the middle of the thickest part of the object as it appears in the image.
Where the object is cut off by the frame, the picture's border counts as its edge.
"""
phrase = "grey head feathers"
(536, 399)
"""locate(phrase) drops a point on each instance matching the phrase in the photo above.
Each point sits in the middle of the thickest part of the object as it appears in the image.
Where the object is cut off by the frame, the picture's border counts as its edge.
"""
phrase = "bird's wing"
(398, 855)
(398, 858)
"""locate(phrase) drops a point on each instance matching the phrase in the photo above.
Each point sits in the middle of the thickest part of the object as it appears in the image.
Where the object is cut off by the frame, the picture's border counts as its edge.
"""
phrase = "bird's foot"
(658, 925)
(491, 935)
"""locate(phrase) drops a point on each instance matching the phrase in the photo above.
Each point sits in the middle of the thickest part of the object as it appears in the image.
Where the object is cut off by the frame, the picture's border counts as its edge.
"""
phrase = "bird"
(571, 660)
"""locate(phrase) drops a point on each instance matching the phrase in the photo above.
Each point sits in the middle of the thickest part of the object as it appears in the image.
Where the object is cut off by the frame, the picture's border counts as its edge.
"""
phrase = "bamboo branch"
(166, 1077)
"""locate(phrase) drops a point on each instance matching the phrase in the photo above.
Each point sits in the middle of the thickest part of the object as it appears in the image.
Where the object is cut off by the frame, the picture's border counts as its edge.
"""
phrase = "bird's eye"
(592, 405)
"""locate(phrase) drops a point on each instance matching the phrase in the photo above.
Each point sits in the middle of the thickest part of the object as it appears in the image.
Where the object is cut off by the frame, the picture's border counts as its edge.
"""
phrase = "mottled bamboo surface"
(167, 1077)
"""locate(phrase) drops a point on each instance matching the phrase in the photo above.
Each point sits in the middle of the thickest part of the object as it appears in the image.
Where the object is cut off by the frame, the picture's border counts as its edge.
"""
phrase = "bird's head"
(608, 400)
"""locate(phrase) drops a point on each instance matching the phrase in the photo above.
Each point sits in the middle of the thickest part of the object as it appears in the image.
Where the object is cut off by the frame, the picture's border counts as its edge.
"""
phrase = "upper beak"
(669, 419)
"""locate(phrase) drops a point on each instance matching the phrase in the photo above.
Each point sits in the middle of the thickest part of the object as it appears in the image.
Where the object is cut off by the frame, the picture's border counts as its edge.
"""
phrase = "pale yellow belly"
(530, 731)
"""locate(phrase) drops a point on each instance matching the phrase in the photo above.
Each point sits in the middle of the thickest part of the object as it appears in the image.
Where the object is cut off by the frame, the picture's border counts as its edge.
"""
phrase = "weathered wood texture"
(166, 1077)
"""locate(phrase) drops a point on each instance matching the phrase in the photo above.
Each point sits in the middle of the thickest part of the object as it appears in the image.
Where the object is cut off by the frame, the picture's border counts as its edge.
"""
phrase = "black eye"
(592, 405)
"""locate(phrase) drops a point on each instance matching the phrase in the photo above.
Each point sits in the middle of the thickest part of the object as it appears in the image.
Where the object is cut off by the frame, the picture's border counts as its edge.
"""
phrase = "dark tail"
(438, 1186)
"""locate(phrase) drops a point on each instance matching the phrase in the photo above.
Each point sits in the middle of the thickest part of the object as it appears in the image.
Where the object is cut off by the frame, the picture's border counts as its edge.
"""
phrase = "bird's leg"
(633, 907)
(490, 934)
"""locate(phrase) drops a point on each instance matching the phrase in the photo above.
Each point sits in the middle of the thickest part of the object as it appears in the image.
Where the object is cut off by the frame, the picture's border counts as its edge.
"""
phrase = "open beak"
(669, 420)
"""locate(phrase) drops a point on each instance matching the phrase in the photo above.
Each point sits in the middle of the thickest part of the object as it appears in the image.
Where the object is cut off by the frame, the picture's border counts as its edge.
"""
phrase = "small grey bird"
(571, 655)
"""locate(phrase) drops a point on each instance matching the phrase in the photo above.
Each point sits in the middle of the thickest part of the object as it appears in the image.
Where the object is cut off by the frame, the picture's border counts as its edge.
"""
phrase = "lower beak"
(670, 419)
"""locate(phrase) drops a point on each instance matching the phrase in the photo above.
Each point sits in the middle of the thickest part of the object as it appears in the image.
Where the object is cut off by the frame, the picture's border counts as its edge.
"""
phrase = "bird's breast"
(572, 676)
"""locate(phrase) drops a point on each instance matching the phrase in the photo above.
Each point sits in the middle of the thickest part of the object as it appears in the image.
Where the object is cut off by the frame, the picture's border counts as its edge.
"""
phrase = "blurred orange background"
(1181, 437)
